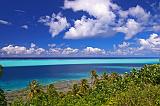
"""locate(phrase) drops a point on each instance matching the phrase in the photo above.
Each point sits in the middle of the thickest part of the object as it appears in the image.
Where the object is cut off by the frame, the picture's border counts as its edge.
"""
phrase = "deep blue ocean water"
(18, 73)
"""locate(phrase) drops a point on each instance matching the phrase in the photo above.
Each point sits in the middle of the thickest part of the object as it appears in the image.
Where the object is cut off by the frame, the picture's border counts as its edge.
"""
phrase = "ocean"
(18, 72)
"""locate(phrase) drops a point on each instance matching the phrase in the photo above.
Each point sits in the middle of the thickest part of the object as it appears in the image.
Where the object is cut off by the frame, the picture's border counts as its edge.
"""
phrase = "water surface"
(19, 72)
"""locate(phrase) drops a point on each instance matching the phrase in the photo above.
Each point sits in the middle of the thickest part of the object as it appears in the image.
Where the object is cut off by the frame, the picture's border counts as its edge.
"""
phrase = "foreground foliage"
(137, 88)
(1, 70)
(3, 101)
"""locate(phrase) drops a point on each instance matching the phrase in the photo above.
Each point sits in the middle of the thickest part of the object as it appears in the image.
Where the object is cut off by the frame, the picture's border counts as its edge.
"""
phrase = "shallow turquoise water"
(39, 62)
(18, 73)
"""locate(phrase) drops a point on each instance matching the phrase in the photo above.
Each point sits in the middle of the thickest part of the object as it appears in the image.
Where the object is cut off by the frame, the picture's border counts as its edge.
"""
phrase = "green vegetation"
(137, 88)
(3, 101)
(1, 70)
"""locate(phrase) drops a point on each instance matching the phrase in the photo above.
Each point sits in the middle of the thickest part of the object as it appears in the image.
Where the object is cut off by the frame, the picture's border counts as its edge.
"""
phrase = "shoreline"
(64, 85)
(61, 86)
(136, 85)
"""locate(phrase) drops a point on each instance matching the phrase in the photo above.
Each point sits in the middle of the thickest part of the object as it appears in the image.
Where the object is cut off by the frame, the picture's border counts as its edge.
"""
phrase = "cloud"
(152, 43)
(5, 22)
(10, 49)
(21, 11)
(139, 13)
(55, 51)
(156, 28)
(21, 50)
(142, 47)
(103, 18)
(96, 8)
(52, 45)
(89, 27)
(76, 52)
(24, 26)
(148, 46)
(124, 45)
(33, 45)
(69, 51)
(33, 50)
(109, 19)
(131, 28)
(56, 23)
(39, 51)
(83, 28)
(125, 49)
(63, 51)
(155, 6)
(93, 51)
(106, 18)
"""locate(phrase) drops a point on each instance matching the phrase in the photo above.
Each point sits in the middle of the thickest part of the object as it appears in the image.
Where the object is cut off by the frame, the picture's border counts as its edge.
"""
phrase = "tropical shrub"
(3, 101)
(1, 70)
(137, 88)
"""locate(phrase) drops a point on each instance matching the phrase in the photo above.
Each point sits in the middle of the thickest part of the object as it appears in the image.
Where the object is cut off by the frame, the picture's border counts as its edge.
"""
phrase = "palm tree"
(104, 76)
(34, 89)
(1, 70)
(84, 87)
(134, 73)
(51, 91)
(75, 89)
(61, 94)
(114, 75)
(94, 77)
(52, 95)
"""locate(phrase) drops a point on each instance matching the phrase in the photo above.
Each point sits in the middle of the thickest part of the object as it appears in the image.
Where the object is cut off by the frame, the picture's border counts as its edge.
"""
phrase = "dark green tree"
(3, 101)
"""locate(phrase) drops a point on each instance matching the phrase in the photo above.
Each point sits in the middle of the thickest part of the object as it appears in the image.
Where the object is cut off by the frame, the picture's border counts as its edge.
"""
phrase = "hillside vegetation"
(137, 88)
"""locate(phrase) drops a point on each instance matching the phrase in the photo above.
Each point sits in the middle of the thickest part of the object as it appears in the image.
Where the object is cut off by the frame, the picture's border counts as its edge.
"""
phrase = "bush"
(3, 101)
(137, 88)
(1, 70)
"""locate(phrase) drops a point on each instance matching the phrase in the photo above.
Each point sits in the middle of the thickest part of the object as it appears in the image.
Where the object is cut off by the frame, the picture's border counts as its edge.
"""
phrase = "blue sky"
(79, 28)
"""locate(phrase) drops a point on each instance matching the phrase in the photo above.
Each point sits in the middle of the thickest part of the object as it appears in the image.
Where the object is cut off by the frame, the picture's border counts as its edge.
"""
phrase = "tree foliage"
(3, 101)
(137, 88)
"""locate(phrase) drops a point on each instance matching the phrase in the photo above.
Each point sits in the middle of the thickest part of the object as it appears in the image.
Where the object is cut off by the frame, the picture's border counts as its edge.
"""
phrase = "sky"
(80, 28)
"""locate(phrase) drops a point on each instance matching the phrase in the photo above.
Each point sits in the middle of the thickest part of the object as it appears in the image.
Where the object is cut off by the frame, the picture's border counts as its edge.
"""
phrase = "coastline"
(61, 86)
(136, 85)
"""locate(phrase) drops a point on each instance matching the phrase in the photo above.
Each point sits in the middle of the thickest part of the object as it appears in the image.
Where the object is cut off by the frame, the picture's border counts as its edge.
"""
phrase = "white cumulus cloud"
(96, 8)
(21, 50)
(63, 51)
(152, 43)
(131, 28)
(149, 46)
(56, 23)
(124, 45)
(69, 51)
(10, 49)
(104, 18)
(83, 28)
(102, 10)
(137, 13)
(93, 51)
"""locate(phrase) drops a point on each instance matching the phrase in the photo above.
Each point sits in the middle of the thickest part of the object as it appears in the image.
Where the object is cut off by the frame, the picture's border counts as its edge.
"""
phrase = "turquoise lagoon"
(19, 72)
(40, 62)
